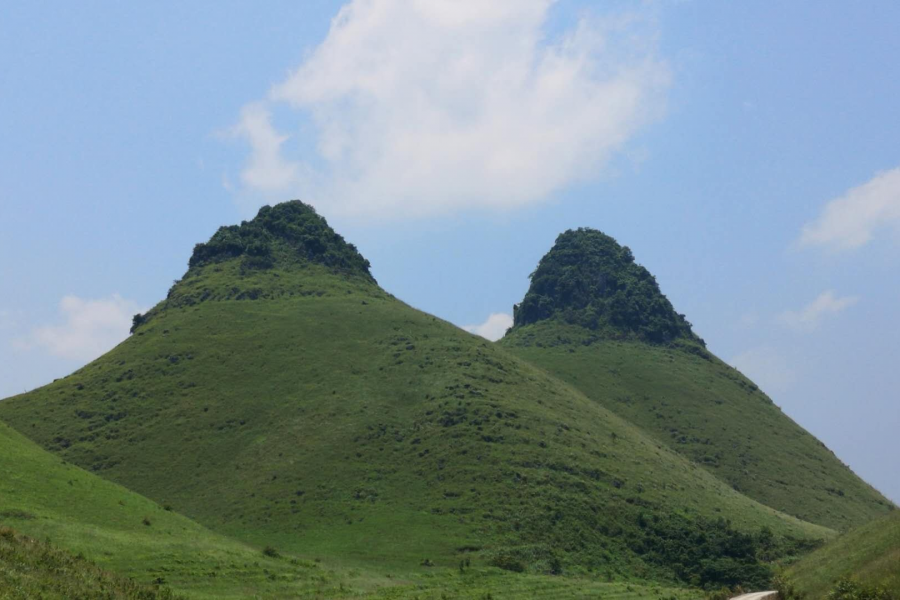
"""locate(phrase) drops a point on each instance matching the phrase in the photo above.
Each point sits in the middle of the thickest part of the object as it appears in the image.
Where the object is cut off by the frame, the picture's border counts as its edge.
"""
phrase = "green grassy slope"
(118, 556)
(123, 532)
(598, 338)
(30, 568)
(299, 405)
(869, 554)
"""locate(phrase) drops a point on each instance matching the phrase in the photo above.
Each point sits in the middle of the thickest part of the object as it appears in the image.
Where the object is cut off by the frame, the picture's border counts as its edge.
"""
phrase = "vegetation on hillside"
(698, 406)
(251, 256)
(290, 232)
(588, 279)
(342, 423)
(859, 565)
(33, 569)
(295, 406)
(81, 514)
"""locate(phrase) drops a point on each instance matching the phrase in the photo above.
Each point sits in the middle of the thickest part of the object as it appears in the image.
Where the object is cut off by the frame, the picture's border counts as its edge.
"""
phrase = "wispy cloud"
(266, 170)
(423, 107)
(493, 328)
(810, 316)
(88, 328)
(852, 220)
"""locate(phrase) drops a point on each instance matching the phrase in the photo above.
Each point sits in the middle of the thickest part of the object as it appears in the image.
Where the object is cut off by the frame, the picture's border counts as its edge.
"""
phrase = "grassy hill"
(33, 569)
(279, 396)
(869, 555)
(88, 539)
(121, 531)
(606, 329)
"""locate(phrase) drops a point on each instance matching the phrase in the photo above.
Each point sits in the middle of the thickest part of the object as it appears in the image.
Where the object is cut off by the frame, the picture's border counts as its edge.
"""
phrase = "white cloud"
(809, 317)
(88, 329)
(766, 367)
(493, 328)
(266, 170)
(851, 221)
(428, 106)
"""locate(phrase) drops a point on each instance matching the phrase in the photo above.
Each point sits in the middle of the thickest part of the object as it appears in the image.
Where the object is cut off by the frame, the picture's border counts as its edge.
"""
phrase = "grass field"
(119, 530)
(30, 569)
(705, 410)
(869, 554)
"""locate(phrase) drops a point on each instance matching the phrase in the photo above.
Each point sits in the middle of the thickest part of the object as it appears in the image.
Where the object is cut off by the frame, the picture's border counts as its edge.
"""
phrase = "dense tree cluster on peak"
(286, 233)
(588, 279)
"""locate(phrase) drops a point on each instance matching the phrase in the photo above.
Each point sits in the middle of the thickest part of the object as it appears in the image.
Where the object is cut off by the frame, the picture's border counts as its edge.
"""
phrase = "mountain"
(867, 557)
(51, 511)
(280, 396)
(595, 319)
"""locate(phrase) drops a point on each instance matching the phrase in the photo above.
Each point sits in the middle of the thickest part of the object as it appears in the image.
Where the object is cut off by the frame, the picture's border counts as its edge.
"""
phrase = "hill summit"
(274, 255)
(286, 234)
(597, 320)
(589, 279)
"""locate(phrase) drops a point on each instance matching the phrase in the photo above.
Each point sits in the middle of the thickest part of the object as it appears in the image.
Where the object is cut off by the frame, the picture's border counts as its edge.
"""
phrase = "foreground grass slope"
(278, 395)
(869, 555)
(78, 522)
(121, 531)
(597, 320)
(30, 568)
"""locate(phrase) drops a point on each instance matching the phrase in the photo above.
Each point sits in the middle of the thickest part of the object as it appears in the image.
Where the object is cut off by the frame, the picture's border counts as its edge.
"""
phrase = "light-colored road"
(757, 596)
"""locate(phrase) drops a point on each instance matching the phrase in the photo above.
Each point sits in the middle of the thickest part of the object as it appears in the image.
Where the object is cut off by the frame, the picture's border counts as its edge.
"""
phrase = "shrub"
(136, 321)
(270, 552)
(849, 589)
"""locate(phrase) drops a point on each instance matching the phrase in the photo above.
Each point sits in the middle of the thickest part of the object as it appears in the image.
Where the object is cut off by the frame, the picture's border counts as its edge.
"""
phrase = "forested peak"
(287, 233)
(589, 279)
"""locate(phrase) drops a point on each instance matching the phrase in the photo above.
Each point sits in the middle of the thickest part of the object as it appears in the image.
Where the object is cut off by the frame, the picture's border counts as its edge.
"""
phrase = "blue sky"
(746, 152)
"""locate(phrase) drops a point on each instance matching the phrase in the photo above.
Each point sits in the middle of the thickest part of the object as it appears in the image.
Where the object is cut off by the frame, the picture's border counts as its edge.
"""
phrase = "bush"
(136, 321)
(271, 552)
(786, 589)
(849, 589)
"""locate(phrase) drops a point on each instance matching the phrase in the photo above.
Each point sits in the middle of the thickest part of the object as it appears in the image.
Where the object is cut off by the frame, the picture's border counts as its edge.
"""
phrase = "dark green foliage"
(711, 553)
(588, 279)
(136, 321)
(33, 569)
(849, 589)
(287, 232)
(270, 552)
